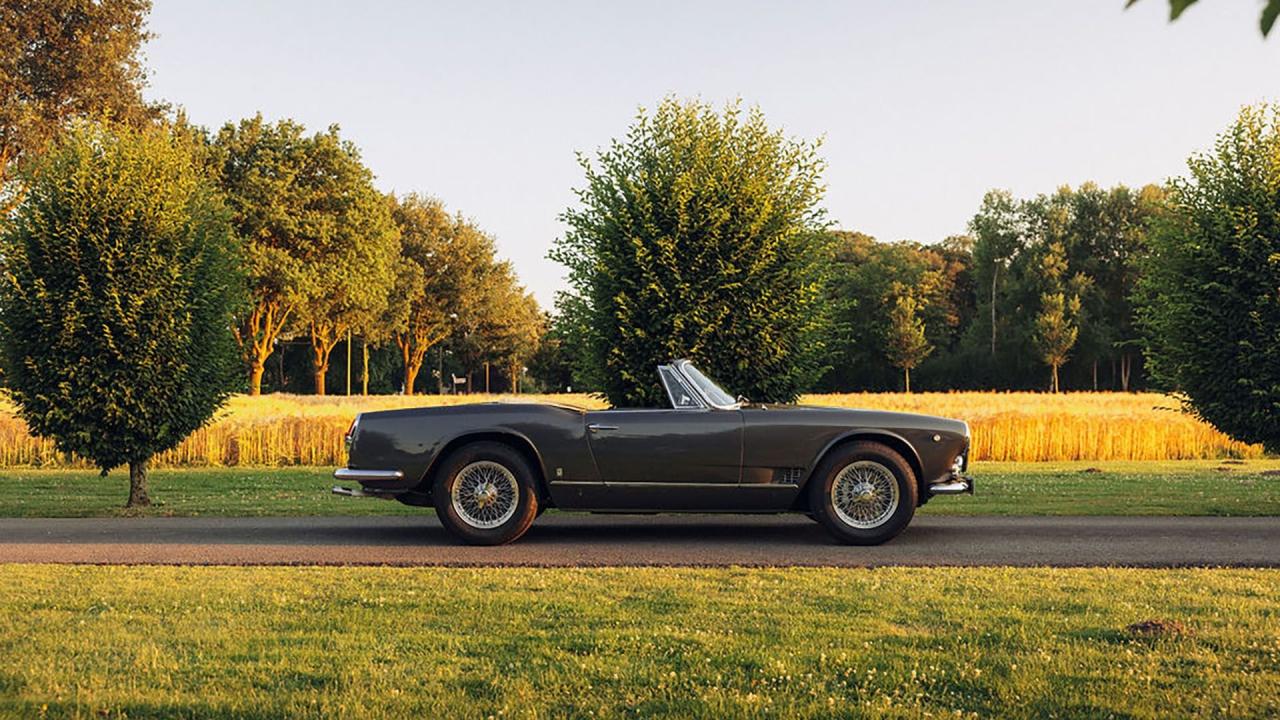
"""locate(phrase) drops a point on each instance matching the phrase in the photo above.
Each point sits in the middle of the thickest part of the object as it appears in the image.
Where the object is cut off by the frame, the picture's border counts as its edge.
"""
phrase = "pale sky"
(923, 105)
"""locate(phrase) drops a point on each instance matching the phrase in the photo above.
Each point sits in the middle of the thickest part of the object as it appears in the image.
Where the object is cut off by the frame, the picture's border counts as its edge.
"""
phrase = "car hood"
(859, 417)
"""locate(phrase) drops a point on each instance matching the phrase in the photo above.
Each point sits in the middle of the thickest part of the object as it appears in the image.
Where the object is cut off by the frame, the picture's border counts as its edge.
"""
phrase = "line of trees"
(1038, 295)
(330, 258)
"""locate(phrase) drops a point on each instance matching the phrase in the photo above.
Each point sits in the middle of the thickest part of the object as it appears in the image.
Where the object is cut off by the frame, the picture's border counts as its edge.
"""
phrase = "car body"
(707, 452)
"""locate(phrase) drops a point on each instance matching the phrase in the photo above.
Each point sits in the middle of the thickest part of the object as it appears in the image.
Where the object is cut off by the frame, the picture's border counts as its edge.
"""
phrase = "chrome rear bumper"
(366, 476)
(349, 475)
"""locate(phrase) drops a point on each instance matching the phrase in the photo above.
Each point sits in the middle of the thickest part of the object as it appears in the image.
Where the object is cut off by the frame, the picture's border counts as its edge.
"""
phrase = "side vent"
(788, 476)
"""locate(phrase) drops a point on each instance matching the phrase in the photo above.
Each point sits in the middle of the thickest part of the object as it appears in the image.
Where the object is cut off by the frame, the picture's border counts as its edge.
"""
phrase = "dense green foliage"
(697, 235)
(319, 241)
(63, 59)
(119, 288)
(450, 285)
(864, 284)
(1211, 291)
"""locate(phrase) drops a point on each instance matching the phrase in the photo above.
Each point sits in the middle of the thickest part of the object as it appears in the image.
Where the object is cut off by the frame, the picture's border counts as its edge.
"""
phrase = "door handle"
(596, 427)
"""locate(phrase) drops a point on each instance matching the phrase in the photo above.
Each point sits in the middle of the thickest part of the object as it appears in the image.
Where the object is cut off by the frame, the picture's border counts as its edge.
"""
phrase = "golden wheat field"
(1022, 427)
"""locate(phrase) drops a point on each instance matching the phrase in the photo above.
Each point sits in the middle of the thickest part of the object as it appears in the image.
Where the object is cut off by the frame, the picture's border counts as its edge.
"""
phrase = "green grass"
(1123, 488)
(143, 642)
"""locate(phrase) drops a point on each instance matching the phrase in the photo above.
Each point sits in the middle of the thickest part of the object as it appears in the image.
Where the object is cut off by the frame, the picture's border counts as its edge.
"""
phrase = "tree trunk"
(907, 375)
(138, 485)
(411, 376)
(995, 273)
(319, 379)
(1095, 374)
(1055, 378)
(364, 371)
(486, 377)
(255, 377)
(1126, 365)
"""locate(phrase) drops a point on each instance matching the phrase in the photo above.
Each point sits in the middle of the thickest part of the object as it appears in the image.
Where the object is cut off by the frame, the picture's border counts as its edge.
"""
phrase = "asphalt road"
(696, 540)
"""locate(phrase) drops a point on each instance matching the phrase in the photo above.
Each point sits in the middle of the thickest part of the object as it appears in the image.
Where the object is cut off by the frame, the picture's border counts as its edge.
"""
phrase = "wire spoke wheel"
(485, 494)
(865, 494)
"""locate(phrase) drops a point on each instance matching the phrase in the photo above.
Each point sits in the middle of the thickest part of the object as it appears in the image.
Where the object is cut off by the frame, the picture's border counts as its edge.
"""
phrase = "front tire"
(863, 493)
(485, 493)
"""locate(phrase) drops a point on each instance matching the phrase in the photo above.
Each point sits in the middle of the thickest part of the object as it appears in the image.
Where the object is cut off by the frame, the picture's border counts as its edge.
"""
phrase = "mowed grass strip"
(276, 430)
(1237, 488)
(143, 642)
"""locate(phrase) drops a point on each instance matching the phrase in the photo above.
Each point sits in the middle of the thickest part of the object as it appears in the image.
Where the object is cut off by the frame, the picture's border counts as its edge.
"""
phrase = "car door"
(688, 456)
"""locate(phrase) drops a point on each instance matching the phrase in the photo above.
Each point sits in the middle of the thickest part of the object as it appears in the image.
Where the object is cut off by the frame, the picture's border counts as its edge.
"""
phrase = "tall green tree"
(262, 170)
(1056, 332)
(319, 242)
(905, 343)
(353, 246)
(1210, 294)
(698, 235)
(64, 59)
(117, 298)
(998, 230)
(440, 279)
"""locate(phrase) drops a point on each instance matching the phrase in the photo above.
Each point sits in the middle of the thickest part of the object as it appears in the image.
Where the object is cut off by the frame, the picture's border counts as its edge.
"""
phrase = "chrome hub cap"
(485, 494)
(864, 494)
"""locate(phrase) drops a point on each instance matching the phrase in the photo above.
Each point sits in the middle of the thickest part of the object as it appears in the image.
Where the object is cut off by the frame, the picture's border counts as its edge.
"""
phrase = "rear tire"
(485, 493)
(863, 493)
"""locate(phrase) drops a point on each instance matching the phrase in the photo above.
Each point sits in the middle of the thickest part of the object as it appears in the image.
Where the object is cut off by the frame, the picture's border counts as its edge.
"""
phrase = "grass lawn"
(143, 642)
(1185, 487)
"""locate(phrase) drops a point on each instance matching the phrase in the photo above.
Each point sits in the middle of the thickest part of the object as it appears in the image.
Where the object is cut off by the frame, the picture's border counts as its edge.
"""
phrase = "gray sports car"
(489, 469)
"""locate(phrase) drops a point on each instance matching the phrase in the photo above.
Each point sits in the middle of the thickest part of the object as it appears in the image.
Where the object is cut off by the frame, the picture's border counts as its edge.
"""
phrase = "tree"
(1270, 11)
(117, 299)
(318, 239)
(1210, 294)
(1057, 323)
(353, 246)
(551, 367)
(439, 278)
(1056, 331)
(905, 343)
(502, 325)
(63, 59)
(260, 168)
(698, 235)
(998, 229)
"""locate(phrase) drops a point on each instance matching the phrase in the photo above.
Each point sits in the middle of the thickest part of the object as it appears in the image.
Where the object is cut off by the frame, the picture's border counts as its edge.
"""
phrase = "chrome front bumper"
(959, 485)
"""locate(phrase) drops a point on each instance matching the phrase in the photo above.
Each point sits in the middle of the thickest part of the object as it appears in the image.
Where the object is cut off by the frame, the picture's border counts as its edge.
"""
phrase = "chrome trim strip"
(603, 484)
(349, 475)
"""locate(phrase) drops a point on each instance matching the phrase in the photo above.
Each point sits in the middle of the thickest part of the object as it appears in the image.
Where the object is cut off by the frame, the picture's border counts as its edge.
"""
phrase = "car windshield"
(710, 388)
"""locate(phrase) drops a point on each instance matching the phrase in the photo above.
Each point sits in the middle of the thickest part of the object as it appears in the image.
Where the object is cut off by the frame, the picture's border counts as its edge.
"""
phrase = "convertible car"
(489, 469)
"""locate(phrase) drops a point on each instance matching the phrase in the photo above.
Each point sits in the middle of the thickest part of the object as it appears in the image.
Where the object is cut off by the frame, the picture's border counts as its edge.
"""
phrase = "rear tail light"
(351, 431)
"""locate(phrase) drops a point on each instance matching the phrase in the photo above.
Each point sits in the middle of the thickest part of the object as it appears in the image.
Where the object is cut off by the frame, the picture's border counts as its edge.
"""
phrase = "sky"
(922, 106)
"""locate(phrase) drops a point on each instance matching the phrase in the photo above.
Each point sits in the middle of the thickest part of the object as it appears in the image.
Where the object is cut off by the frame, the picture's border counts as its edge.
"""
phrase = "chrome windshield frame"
(680, 368)
(695, 393)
